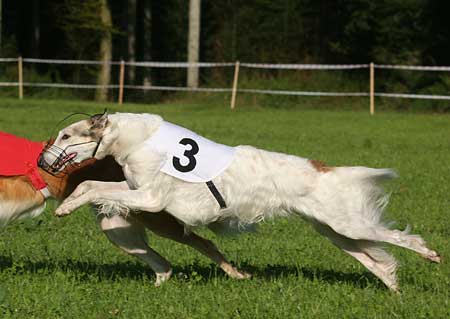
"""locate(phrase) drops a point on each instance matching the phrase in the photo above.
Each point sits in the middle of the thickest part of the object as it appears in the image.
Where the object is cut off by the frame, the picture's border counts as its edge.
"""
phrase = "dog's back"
(273, 184)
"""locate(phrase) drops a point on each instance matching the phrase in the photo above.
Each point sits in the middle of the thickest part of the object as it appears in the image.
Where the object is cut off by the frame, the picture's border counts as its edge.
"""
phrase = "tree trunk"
(193, 42)
(158, 30)
(131, 31)
(144, 44)
(36, 25)
(104, 75)
(1, 24)
(143, 40)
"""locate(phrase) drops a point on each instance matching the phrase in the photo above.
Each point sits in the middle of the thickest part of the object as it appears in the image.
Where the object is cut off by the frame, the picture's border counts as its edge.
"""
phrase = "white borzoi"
(22, 195)
(342, 203)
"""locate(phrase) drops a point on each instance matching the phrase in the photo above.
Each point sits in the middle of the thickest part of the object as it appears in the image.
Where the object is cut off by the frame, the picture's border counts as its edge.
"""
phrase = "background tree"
(131, 34)
(36, 25)
(87, 27)
(284, 31)
(104, 75)
(1, 25)
(193, 41)
(144, 39)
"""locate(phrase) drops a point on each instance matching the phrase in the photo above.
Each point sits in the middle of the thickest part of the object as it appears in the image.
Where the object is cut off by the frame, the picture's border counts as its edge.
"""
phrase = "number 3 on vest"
(189, 154)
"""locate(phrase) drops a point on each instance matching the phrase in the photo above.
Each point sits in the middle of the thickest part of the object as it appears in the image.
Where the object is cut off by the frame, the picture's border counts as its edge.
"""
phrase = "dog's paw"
(434, 257)
(396, 290)
(62, 211)
(242, 275)
(162, 277)
(235, 273)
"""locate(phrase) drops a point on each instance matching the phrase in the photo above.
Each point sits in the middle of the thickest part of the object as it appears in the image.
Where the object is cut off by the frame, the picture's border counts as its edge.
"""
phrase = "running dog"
(200, 182)
(24, 188)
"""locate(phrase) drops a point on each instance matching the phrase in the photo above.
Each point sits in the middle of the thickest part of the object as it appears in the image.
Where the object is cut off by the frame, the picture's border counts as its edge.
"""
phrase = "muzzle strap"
(61, 157)
(96, 148)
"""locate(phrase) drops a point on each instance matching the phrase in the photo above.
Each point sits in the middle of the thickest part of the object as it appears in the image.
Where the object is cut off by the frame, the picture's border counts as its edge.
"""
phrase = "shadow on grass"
(270, 272)
(85, 271)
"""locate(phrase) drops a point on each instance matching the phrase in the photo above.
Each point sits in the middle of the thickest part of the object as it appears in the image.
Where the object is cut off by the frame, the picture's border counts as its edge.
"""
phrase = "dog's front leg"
(132, 199)
(86, 186)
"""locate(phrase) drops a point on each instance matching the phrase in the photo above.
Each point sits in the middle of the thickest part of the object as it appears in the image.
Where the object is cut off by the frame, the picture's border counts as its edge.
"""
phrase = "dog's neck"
(63, 184)
(126, 133)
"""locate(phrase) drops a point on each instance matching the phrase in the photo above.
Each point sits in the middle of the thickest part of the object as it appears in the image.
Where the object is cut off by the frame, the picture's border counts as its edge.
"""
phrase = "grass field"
(66, 268)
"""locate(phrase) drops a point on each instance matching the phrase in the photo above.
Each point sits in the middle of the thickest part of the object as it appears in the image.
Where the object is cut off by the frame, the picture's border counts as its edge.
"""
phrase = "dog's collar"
(45, 192)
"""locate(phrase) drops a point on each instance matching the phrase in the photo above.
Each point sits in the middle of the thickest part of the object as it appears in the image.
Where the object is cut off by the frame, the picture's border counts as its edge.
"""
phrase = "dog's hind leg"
(370, 254)
(355, 211)
(396, 237)
(404, 239)
(167, 226)
(129, 235)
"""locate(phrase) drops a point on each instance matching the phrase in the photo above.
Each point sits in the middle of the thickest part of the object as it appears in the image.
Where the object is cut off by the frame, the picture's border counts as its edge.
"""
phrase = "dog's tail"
(366, 173)
(351, 201)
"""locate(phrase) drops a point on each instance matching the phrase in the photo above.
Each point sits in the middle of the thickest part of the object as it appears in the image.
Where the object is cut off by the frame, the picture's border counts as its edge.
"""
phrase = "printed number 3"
(189, 154)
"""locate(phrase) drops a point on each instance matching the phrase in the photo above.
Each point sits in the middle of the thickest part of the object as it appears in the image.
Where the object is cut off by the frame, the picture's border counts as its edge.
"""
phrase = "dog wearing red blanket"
(20, 178)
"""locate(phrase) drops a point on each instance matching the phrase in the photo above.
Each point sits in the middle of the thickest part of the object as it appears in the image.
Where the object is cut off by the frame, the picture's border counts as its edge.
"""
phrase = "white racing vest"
(189, 156)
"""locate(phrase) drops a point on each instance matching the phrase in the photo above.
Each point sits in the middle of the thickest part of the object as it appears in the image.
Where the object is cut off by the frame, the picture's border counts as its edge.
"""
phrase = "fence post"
(121, 80)
(372, 89)
(20, 73)
(235, 83)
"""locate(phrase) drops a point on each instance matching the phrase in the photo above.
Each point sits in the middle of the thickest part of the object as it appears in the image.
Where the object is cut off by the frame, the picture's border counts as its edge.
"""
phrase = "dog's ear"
(99, 121)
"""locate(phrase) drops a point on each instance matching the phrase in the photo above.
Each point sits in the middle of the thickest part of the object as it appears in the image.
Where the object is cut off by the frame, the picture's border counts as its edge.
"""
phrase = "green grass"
(66, 268)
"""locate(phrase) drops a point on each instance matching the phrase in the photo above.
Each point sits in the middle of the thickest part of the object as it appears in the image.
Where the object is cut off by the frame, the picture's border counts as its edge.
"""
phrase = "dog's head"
(75, 143)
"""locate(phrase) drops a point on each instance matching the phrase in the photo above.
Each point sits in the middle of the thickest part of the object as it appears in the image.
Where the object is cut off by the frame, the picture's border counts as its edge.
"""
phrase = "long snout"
(49, 159)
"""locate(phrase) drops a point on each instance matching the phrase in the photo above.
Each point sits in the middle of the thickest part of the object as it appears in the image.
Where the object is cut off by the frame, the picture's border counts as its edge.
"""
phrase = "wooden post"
(20, 73)
(193, 42)
(372, 89)
(121, 80)
(235, 83)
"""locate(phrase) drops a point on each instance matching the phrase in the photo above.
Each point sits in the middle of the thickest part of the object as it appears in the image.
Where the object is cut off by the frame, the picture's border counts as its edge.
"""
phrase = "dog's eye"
(65, 137)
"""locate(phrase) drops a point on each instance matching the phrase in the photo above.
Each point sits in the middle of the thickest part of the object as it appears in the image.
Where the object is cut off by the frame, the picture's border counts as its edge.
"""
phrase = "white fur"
(16, 210)
(345, 203)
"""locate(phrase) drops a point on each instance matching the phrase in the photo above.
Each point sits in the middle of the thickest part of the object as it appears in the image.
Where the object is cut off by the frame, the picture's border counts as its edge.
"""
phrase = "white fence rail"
(234, 89)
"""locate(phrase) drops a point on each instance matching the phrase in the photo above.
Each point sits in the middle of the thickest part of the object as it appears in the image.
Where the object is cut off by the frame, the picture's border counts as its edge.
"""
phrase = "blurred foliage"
(81, 24)
(414, 32)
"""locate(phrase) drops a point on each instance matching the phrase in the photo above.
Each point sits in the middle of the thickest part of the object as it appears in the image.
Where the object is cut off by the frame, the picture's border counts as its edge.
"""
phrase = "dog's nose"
(42, 163)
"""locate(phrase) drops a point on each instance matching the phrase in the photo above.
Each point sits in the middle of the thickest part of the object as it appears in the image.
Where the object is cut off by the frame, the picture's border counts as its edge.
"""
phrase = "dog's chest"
(133, 179)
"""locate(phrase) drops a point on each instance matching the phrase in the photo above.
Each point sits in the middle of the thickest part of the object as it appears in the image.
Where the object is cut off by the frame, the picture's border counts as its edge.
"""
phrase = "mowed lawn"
(66, 268)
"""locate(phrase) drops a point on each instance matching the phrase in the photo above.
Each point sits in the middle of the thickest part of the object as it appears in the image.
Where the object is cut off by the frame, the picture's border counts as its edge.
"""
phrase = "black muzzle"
(63, 158)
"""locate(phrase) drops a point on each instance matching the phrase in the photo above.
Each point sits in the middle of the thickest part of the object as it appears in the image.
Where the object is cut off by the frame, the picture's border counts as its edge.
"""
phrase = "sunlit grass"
(66, 268)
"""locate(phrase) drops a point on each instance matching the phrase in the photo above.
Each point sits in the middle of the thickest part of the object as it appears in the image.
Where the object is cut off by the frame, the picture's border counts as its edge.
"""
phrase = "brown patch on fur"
(320, 166)
(61, 185)
(19, 188)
